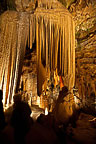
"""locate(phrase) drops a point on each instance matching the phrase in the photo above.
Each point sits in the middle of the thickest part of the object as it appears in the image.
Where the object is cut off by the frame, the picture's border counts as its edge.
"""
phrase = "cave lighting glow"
(46, 111)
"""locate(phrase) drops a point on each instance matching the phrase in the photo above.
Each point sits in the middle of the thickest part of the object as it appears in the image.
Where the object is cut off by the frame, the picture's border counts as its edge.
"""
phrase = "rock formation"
(52, 26)
(14, 33)
(84, 13)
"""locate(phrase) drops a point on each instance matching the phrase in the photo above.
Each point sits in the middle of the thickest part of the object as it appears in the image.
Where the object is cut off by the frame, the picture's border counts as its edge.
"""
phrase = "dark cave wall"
(3, 6)
(7, 5)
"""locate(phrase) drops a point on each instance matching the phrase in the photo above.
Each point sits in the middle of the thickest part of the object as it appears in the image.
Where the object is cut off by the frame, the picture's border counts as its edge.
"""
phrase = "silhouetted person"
(17, 99)
(2, 117)
(63, 93)
(42, 131)
(21, 121)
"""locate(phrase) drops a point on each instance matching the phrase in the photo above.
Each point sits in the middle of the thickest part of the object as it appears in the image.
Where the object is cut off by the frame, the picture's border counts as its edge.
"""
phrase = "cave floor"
(83, 132)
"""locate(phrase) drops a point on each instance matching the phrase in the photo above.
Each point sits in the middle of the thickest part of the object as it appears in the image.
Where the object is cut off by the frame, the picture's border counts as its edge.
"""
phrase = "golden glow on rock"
(46, 111)
(54, 32)
(38, 100)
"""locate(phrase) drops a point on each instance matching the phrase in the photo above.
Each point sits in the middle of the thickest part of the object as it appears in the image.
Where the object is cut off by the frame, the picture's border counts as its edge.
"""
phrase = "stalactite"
(52, 47)
(63, 47)
(60, 40)
(40, 26)
(32, 31)
(31, 34)
(13, 47)
(54, 32)
(9, 65)
(57, 45)
(43, 49)
(34, 28)
(46, 46)
(2, 37)
(69, 52)
(71, 74)
(66, 53)
(13, 63)
(60, 46)
(50, 44)
(41, 36)
(37, 50)
(6, 60)
(73, 52)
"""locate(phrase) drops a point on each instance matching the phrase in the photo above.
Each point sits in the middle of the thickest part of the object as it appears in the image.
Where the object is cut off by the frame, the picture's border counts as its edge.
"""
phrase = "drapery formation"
(55, 40)
(53, 30)
(13, 37)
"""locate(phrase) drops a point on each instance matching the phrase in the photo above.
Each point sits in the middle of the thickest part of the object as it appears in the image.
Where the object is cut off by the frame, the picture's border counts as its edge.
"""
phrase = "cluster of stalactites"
(13, 36)
(54, 33)
(55, 42)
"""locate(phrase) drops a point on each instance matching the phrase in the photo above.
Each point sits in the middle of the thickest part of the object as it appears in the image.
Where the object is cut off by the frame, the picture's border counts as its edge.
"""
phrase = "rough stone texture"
(24, 5)
(29, 75)
(85, 130)
(86, 73)
(30, 5)
(84, 13)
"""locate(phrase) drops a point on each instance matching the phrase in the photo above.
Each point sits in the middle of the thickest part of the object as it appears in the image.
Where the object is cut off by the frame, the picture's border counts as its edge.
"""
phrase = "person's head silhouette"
(64, 90)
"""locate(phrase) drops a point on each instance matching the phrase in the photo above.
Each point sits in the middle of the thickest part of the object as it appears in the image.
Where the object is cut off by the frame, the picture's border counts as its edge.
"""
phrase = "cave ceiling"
(83, 11)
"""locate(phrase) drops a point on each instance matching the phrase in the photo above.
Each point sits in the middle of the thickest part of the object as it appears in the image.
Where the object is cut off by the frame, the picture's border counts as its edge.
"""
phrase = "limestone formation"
(84, 14)
(13, 37)
(52, 27)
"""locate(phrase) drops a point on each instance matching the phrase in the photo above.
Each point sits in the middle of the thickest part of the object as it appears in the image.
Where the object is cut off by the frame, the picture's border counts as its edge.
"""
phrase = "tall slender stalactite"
(13, 49)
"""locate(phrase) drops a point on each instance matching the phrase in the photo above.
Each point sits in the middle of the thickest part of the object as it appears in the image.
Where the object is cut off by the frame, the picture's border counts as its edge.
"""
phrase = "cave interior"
(46, 46)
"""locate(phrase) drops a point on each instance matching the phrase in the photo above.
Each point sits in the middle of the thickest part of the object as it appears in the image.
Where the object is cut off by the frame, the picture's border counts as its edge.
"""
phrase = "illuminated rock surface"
(52, 29)
(84, 14)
